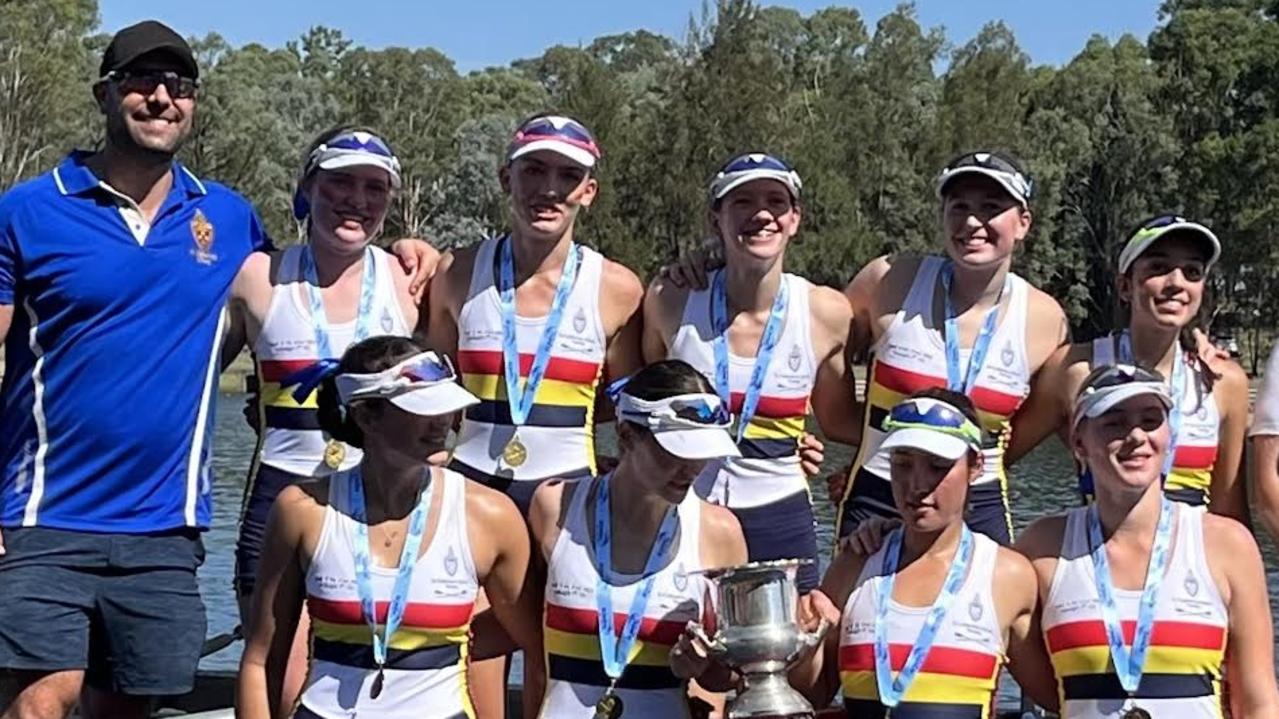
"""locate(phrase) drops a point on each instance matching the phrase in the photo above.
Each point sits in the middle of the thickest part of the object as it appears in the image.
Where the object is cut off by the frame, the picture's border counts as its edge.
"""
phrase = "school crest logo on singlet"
(975, 610)
(387, 323)
(450, 562)
(1191, 585)
(579, 321)
(681, 578)
(794, 359)
(1006, 355)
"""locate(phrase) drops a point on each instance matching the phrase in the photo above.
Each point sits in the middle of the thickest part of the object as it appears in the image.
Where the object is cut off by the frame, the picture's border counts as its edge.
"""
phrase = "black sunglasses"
(145, 83)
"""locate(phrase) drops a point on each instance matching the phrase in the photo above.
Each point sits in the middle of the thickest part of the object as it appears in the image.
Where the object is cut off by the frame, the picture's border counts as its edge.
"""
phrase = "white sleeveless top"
(1183, 671)
(425, 674)
(959, 674)
(575, 673)
(911, 356)
(292, 439)
(769, 468)
(560, 432)
(1196, 453)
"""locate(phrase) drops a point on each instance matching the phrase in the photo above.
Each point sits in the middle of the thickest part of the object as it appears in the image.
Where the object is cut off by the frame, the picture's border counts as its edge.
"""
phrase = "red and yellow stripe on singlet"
(572, 642)
(431, 636)
(889, 385)
(775, 429)
(1183, 661)
(565, 398)
(1191, 475)
(953, 683)
(279, 409)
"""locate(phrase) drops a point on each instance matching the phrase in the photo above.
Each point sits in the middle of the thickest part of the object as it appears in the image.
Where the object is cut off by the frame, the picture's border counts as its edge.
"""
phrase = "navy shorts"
(263, 488)
(871, 495)
(124, 608)
(785, 529)
(519, 490)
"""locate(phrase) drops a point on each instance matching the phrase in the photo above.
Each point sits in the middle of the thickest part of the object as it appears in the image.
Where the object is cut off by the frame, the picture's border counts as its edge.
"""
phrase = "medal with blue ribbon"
(520, 400)
(981, 345)
(614, 650)
(892, 689)
(772, 333)
(1130, 663)
(1177, 388)
(403, 575)
(335, 451)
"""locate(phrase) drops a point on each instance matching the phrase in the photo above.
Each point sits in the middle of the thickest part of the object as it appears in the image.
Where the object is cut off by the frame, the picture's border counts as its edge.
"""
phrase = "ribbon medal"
(1177, 387)
(981, 345)
(520, 399)
(335, 451)
(614, 650)
(892, 689)
(403, 574)
(720, 322)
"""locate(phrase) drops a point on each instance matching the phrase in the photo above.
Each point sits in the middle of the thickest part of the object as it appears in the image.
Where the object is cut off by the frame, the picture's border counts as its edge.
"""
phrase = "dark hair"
(957, 400)
(365, 357)
(667, 378)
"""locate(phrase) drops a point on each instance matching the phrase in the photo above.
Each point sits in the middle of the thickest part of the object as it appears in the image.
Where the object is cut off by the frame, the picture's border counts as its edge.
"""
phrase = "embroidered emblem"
(202, 234)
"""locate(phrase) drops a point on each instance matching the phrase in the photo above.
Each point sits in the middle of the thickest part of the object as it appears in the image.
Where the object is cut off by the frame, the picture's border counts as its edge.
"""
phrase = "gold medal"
(334, 453)
(609, 706)
(515, 453)
(1136, 713)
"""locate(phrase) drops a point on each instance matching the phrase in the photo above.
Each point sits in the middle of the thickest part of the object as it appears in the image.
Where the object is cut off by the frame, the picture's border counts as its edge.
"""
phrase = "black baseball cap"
(153, 43)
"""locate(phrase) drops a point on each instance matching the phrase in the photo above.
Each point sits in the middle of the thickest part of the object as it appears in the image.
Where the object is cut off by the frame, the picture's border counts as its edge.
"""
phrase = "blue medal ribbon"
(1177, 387)
(767, 343)
(521, 400)
(981, 345)
(403, 575)
(614, 650)
(891, 689)
(1130, 663)
(363, 316)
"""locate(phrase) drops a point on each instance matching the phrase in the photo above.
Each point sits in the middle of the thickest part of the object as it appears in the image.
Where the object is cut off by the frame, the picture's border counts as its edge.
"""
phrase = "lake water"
(1040, 484)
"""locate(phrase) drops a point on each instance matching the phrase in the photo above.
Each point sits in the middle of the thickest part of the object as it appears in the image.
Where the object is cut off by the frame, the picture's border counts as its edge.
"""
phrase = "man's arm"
(663, 305)
(437, 316)
(6, 320)
(621, 297)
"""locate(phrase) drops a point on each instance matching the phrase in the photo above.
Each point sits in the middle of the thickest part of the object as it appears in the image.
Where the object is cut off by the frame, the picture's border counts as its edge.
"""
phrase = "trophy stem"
(768, 695)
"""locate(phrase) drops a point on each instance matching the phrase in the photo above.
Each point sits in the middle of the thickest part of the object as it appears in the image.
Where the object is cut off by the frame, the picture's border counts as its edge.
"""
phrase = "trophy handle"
(809, 640)
(715, 645)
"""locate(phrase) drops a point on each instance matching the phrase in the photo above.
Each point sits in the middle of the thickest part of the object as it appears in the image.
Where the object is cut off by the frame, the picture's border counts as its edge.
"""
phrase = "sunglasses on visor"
(995, 163)
(934, 416)
(429, 369)
(565, 130)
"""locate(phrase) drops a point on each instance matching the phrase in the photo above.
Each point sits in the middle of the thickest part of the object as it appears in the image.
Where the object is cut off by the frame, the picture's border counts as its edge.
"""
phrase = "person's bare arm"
(621, 300)
(722, 545)
(1235, 562)
(418, 258)
(546, 516)
(1017, 591)
(252, 279)
(1265, 481)
(834, 396)
(6, 321)
(438, 315)
(277, 604)
(1228, 493)
(817, 675)
(663, 312)
(1046, 408)
(1041, 544)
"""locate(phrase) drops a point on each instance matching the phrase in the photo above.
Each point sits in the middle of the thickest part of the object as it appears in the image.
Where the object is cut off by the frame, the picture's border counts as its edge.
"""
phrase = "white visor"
(577, 154)
(1095, 402)
(939, 444)
(424, 384)
(690, 426)
(1142, 239)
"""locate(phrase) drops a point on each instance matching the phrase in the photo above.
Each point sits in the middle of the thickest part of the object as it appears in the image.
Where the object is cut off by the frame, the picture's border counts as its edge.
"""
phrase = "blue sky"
(478, 33)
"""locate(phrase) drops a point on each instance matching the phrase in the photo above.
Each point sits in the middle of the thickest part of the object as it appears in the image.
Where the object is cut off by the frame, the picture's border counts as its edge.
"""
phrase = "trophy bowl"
(757, 635)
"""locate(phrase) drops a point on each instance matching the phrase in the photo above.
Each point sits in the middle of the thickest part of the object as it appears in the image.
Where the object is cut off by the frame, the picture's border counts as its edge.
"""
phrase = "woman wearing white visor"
(923, 631)
(1144, 598)
(387, 556)
(623, 555)
(1163, 271)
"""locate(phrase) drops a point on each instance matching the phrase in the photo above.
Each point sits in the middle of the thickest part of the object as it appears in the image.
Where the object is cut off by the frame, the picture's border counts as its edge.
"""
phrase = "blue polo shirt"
(106, 411)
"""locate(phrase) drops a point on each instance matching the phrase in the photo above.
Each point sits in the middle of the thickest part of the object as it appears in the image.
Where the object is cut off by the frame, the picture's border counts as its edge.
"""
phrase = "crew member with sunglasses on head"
(387, 555)
(1163, 271)
(537, 321)
(773, 343)
(299, 309)
(922, 626)
(1150, 607)
(623, 555)
(962, 320)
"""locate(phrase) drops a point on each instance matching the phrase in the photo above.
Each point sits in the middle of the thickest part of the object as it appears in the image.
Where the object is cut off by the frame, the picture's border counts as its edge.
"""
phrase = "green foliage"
(1188, 121)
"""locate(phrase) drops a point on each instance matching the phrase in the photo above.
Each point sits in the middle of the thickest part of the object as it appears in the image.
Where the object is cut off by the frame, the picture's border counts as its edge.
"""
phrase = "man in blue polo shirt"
(114, 268)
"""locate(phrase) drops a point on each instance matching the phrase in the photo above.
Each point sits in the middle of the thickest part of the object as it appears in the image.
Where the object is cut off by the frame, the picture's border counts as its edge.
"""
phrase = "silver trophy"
(757, 636)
